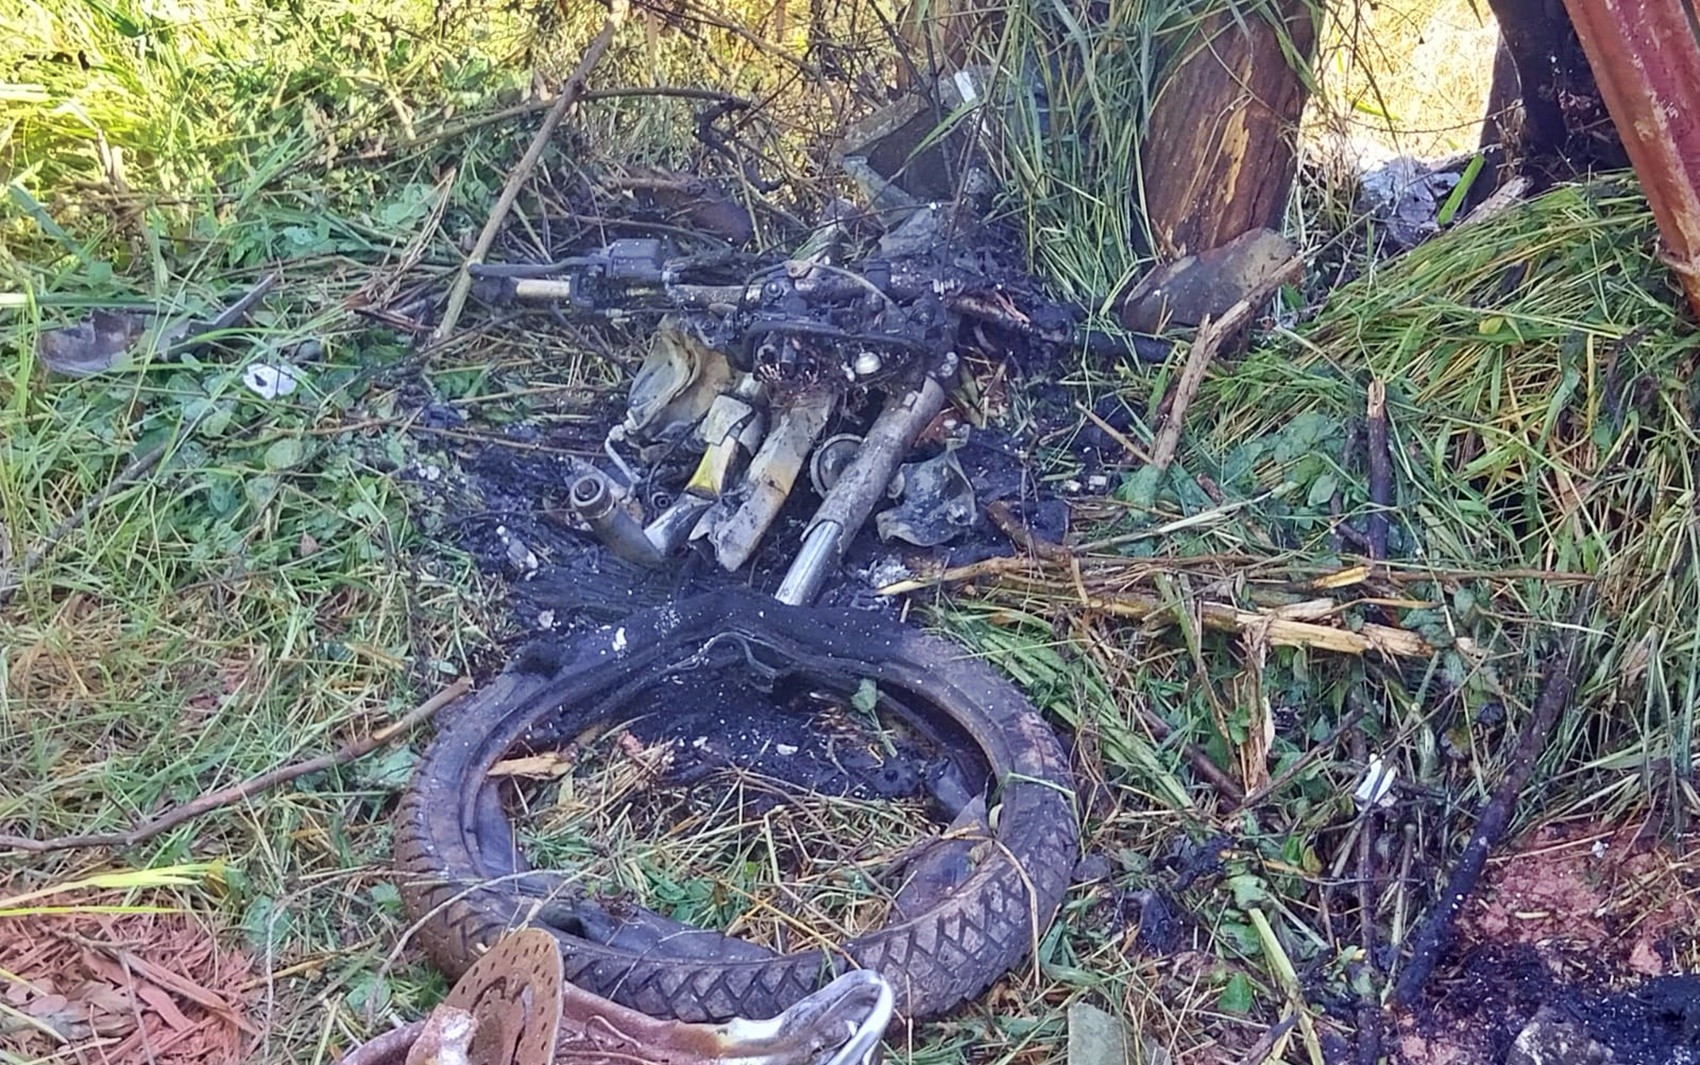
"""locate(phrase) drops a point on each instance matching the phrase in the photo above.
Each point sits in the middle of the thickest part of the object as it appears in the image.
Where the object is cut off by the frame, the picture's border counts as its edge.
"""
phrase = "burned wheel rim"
(461, 883)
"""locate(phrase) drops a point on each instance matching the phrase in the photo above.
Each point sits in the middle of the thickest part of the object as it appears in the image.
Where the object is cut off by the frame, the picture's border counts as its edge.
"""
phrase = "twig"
(570, 93)
(997, 566)
(1369, 1015)
(1280, 779)
(1198, 758)
(1004, 517)
(248, 788)
(1212, 334)
(1133, 449)
(138, 468)
(1380, 471)
(1436, 929)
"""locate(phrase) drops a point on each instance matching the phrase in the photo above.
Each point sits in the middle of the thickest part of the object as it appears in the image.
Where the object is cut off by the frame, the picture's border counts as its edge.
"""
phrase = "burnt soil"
(1583, 923)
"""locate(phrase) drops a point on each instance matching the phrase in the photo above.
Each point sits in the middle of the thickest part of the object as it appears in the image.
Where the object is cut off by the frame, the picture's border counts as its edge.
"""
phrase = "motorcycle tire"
(463, 884)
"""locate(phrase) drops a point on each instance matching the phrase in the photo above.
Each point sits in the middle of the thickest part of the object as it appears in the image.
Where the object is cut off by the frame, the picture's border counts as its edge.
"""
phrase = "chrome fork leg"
(858, 489)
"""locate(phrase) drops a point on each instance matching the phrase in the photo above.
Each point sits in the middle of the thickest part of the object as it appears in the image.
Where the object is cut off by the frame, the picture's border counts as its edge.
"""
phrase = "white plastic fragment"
(521, 557)
(965, 86)
(1375, 787)
(271, 381)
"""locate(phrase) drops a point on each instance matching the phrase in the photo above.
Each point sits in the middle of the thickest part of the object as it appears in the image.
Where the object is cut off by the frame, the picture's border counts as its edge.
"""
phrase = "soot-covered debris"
(506, 505)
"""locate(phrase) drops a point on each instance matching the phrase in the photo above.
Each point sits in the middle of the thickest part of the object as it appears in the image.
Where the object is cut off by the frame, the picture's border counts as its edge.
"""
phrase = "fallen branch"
(1380, 471)
(1435, 932)
(570, 93)
(248, 788)
(1284, 631)
(1212, 334)
(1285, 625)
(1108, 567)
(1010, 524)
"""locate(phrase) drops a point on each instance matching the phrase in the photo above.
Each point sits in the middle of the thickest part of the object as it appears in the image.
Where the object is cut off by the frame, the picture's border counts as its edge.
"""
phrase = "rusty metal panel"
(1646, 60)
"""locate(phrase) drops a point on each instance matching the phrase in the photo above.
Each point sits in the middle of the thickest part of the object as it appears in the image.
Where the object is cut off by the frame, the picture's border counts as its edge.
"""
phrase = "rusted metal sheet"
(1646, 60)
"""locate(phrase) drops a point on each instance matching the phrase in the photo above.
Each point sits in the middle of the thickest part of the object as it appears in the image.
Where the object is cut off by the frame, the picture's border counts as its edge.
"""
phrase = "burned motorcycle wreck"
(729, 413)
(760, 386)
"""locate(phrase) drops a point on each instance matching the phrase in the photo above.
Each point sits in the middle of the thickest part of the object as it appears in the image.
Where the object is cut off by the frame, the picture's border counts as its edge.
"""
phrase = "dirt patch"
(1596, 902)
(122, 988)
(1584, 927)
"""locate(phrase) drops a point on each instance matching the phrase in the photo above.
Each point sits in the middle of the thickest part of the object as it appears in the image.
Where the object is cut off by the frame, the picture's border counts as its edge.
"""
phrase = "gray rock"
(1186, 291)
(1548, 1039)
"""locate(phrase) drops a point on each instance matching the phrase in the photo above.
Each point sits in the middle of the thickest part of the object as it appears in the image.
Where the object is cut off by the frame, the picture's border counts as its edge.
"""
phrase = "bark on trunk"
(1218, 153)
(1563, 128)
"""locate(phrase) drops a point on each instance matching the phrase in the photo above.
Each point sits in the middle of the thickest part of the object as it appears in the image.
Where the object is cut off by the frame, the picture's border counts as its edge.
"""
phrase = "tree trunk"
(1563, 129)
(1218, 153)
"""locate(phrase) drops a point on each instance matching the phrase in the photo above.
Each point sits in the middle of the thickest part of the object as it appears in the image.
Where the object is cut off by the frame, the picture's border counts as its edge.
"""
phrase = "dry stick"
(1212, 334)
(1369, 1016)
(1134, 450)
(1280, 780)
(1436, 930)
(248, 788)
(1198, 758)
(1380, 471)
(570, 93)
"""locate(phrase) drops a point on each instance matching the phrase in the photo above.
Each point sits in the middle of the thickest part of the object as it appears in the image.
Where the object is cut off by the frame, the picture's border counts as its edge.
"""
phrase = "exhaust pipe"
(592, 499)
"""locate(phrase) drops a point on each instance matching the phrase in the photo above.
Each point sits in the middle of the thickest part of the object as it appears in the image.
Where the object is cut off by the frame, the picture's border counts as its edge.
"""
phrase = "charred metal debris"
(784, 399)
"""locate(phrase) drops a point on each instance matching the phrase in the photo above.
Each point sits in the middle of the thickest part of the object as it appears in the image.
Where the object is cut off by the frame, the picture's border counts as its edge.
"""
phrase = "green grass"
(1541, 402)
(273, 586)
(258, 596)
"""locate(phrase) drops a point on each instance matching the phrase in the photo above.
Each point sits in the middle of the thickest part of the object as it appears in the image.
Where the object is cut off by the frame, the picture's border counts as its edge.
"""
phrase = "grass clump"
(1541, 404)
(734, 851)
(255, 596)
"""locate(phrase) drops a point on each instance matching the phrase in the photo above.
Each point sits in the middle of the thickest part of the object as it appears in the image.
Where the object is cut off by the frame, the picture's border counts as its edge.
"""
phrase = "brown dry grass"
(124, 989)
(1407, 76)
(737, 851)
